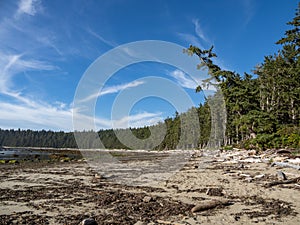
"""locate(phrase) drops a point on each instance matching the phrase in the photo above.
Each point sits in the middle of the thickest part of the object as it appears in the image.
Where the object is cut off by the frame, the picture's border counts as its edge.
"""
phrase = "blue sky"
(46, 47)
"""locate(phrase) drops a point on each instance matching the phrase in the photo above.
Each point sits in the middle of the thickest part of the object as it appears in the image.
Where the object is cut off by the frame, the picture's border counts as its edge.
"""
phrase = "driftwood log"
(210, 205)
(290, 181)
(283, 164)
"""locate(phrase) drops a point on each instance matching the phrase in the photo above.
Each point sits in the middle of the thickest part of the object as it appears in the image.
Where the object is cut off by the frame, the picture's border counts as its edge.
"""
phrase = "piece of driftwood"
(167, 222)
(281, 175)
(283, 164)
(210, 205)
(284, 151)
(290, 181)
(164, 222)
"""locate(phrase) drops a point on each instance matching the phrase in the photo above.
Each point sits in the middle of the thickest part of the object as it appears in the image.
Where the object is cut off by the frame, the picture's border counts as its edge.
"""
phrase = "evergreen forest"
(262, 109)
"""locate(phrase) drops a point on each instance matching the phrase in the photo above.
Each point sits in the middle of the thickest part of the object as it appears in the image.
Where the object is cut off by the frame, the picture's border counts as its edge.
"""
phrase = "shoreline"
(67, 193)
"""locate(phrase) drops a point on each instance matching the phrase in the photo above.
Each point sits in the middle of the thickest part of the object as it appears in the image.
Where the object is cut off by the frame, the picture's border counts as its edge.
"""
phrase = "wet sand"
(68, 192)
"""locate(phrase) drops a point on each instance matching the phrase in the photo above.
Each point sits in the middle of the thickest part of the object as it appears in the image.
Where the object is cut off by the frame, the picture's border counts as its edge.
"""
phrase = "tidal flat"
(140, 189)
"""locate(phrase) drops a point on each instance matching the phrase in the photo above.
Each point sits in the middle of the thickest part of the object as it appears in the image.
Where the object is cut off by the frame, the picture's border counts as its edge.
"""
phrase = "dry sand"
(66, 193)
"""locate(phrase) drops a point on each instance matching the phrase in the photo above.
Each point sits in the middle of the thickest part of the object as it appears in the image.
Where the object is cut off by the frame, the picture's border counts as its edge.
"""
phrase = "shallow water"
(24, 154)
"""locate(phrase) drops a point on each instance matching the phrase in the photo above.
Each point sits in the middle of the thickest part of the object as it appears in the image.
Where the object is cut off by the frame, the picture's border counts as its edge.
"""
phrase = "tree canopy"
(262, 109)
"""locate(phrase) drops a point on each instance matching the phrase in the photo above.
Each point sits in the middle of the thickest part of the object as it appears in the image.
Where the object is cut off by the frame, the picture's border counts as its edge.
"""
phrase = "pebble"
(98, 176)
(89, 221)
(147, 199)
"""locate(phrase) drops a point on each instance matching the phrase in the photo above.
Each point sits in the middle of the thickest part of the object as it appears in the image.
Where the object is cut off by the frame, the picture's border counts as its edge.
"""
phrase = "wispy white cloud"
(117, 88)
(187, 82)
(34, 116)
(101, 38)
(20, 111)
(12, 64)
(197, 37)
(112, 89)
(138, 120)
(29, 114)
(190, 39)
(29, 7)
(183, 80)
(199, 31)
(249, 10)
(49, 42)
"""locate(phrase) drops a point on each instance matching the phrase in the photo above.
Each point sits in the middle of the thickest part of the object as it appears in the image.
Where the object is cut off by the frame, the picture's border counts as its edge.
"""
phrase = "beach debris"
(98, 176)
(259, 176)
(244, 175)
(140, 223)
(283, 164)
(215, 191)
(284, 151)
(89, 221)
(147, 199)
(241, 166)
(279, 158)
(251, 160)
(167, 222)
(210, 205)
(164, 222)
(249, 179)
(290, 181)
(251, 152)
(294, 161)
(281, 175)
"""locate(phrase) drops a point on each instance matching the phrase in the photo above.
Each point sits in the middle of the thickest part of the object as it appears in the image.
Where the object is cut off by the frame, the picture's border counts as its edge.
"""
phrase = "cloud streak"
(138, 120)
(112, 90)
(99, 37)
(13, 64)
(187, 82)
(183, 80)
(34, 116)
(198, 37)
(50, 117)
(249, 10)
(190, 39)
(199, 31)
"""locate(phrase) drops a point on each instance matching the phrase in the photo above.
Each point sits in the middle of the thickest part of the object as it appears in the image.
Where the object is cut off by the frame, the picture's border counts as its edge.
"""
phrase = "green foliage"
(228, 147)
(260, 109)
(261, 112)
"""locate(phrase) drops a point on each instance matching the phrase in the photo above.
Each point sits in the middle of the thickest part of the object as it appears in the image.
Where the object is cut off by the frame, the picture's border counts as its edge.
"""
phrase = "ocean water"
(28, 154)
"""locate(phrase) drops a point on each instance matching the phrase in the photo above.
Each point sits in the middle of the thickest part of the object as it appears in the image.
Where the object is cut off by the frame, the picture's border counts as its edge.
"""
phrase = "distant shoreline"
(97, 149)
(39, 148)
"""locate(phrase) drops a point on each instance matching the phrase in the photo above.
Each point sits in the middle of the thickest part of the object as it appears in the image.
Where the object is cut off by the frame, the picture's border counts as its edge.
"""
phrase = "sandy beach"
(230, 187)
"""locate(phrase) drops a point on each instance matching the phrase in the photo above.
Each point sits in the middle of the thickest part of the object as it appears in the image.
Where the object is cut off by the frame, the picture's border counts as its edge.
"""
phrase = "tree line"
(262, 110)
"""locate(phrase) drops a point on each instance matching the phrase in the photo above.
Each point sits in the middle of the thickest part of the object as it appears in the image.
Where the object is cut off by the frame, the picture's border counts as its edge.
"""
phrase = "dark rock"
(89, 221)
(215, 192)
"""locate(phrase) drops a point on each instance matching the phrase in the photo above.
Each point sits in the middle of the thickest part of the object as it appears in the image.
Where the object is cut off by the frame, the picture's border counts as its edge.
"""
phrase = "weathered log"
(284, 151)
(282, 164)
(290, 181)
(167, 222)
(210, 205)
(164, 222)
